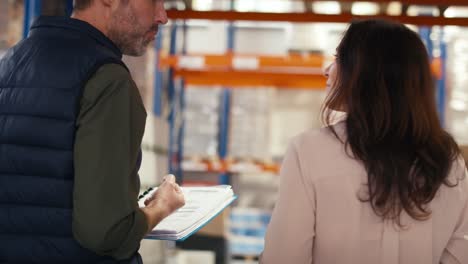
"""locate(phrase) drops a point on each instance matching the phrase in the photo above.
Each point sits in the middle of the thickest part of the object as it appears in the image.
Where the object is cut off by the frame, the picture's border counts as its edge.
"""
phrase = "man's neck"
(92, 19)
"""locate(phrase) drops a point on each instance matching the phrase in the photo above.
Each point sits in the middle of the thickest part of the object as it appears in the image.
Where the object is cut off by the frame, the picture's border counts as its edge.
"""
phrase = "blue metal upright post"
(425, 33)
(440, 89)
(181, 134)
(171, 94)
(225, 109)
(441, 82)
(158, 77)
(26, 18)
(224, 124)
(69, 7)
(32, 10)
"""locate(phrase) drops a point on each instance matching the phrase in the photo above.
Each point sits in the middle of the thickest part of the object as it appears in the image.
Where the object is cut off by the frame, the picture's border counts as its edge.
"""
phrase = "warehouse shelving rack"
(241, 70)
(294, 71)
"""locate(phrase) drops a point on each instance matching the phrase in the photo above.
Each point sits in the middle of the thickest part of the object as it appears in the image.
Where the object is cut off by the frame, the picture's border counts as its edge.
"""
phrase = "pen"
(145, 193)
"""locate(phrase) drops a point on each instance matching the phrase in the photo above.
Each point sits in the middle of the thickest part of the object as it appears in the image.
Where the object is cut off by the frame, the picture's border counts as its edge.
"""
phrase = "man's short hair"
(82, 4)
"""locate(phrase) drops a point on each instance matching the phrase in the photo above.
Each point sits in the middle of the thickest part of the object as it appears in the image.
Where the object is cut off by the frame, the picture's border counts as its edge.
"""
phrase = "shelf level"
(310, 17)
(293, 71)
(251, 79)
(229, 167)
(243, 60)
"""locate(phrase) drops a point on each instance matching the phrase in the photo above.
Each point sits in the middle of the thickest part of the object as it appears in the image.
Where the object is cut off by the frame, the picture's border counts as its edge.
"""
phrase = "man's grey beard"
(131, 41)
(128, 45)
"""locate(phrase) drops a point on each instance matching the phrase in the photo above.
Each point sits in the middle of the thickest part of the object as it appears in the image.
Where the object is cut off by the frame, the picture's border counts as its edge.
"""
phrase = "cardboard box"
(218, 227)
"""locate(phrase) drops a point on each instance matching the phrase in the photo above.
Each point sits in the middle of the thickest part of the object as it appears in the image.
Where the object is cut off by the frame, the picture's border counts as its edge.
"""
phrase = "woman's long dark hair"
(384, 83)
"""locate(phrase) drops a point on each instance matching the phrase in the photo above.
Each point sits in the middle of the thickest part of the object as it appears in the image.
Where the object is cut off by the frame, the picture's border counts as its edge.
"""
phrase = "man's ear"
(107, 3)
(111, 5)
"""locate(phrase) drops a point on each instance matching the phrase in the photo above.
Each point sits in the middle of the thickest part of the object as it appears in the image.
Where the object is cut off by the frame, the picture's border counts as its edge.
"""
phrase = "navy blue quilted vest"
(41, 82)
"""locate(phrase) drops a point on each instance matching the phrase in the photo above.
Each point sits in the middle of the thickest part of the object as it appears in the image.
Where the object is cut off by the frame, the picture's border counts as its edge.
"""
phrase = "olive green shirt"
(110, 127)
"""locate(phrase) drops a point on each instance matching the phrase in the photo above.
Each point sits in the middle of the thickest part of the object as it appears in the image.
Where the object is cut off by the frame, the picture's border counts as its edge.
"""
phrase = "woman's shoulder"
(328, 135)
(322, 154)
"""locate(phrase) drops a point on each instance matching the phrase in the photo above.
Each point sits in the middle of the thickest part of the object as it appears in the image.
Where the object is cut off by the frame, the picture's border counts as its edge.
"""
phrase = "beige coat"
(319, 219)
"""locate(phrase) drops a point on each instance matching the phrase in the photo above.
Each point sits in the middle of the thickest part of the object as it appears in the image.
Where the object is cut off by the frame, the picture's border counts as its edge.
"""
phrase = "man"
(71, 124)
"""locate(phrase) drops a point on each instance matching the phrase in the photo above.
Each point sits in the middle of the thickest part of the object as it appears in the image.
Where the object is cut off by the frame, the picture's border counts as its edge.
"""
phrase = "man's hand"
(167, 199)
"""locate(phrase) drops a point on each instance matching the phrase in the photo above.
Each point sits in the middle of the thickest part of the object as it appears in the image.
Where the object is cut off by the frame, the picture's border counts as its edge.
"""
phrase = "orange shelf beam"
(283, 72)
(226, 61)
(250, 79)
(309, 17)
(224, 166)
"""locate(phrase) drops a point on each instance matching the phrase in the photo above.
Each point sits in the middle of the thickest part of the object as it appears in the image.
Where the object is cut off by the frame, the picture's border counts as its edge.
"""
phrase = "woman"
(384, 185)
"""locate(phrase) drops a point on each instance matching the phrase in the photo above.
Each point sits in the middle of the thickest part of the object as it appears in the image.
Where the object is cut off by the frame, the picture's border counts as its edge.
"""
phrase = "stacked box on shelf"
(201, 122)
(250, 123)
(294, 112)
(247, 231)
(457, 69)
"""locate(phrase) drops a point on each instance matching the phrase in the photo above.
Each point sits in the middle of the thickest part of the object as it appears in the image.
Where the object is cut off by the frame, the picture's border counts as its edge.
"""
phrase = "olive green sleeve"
(110, 125)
